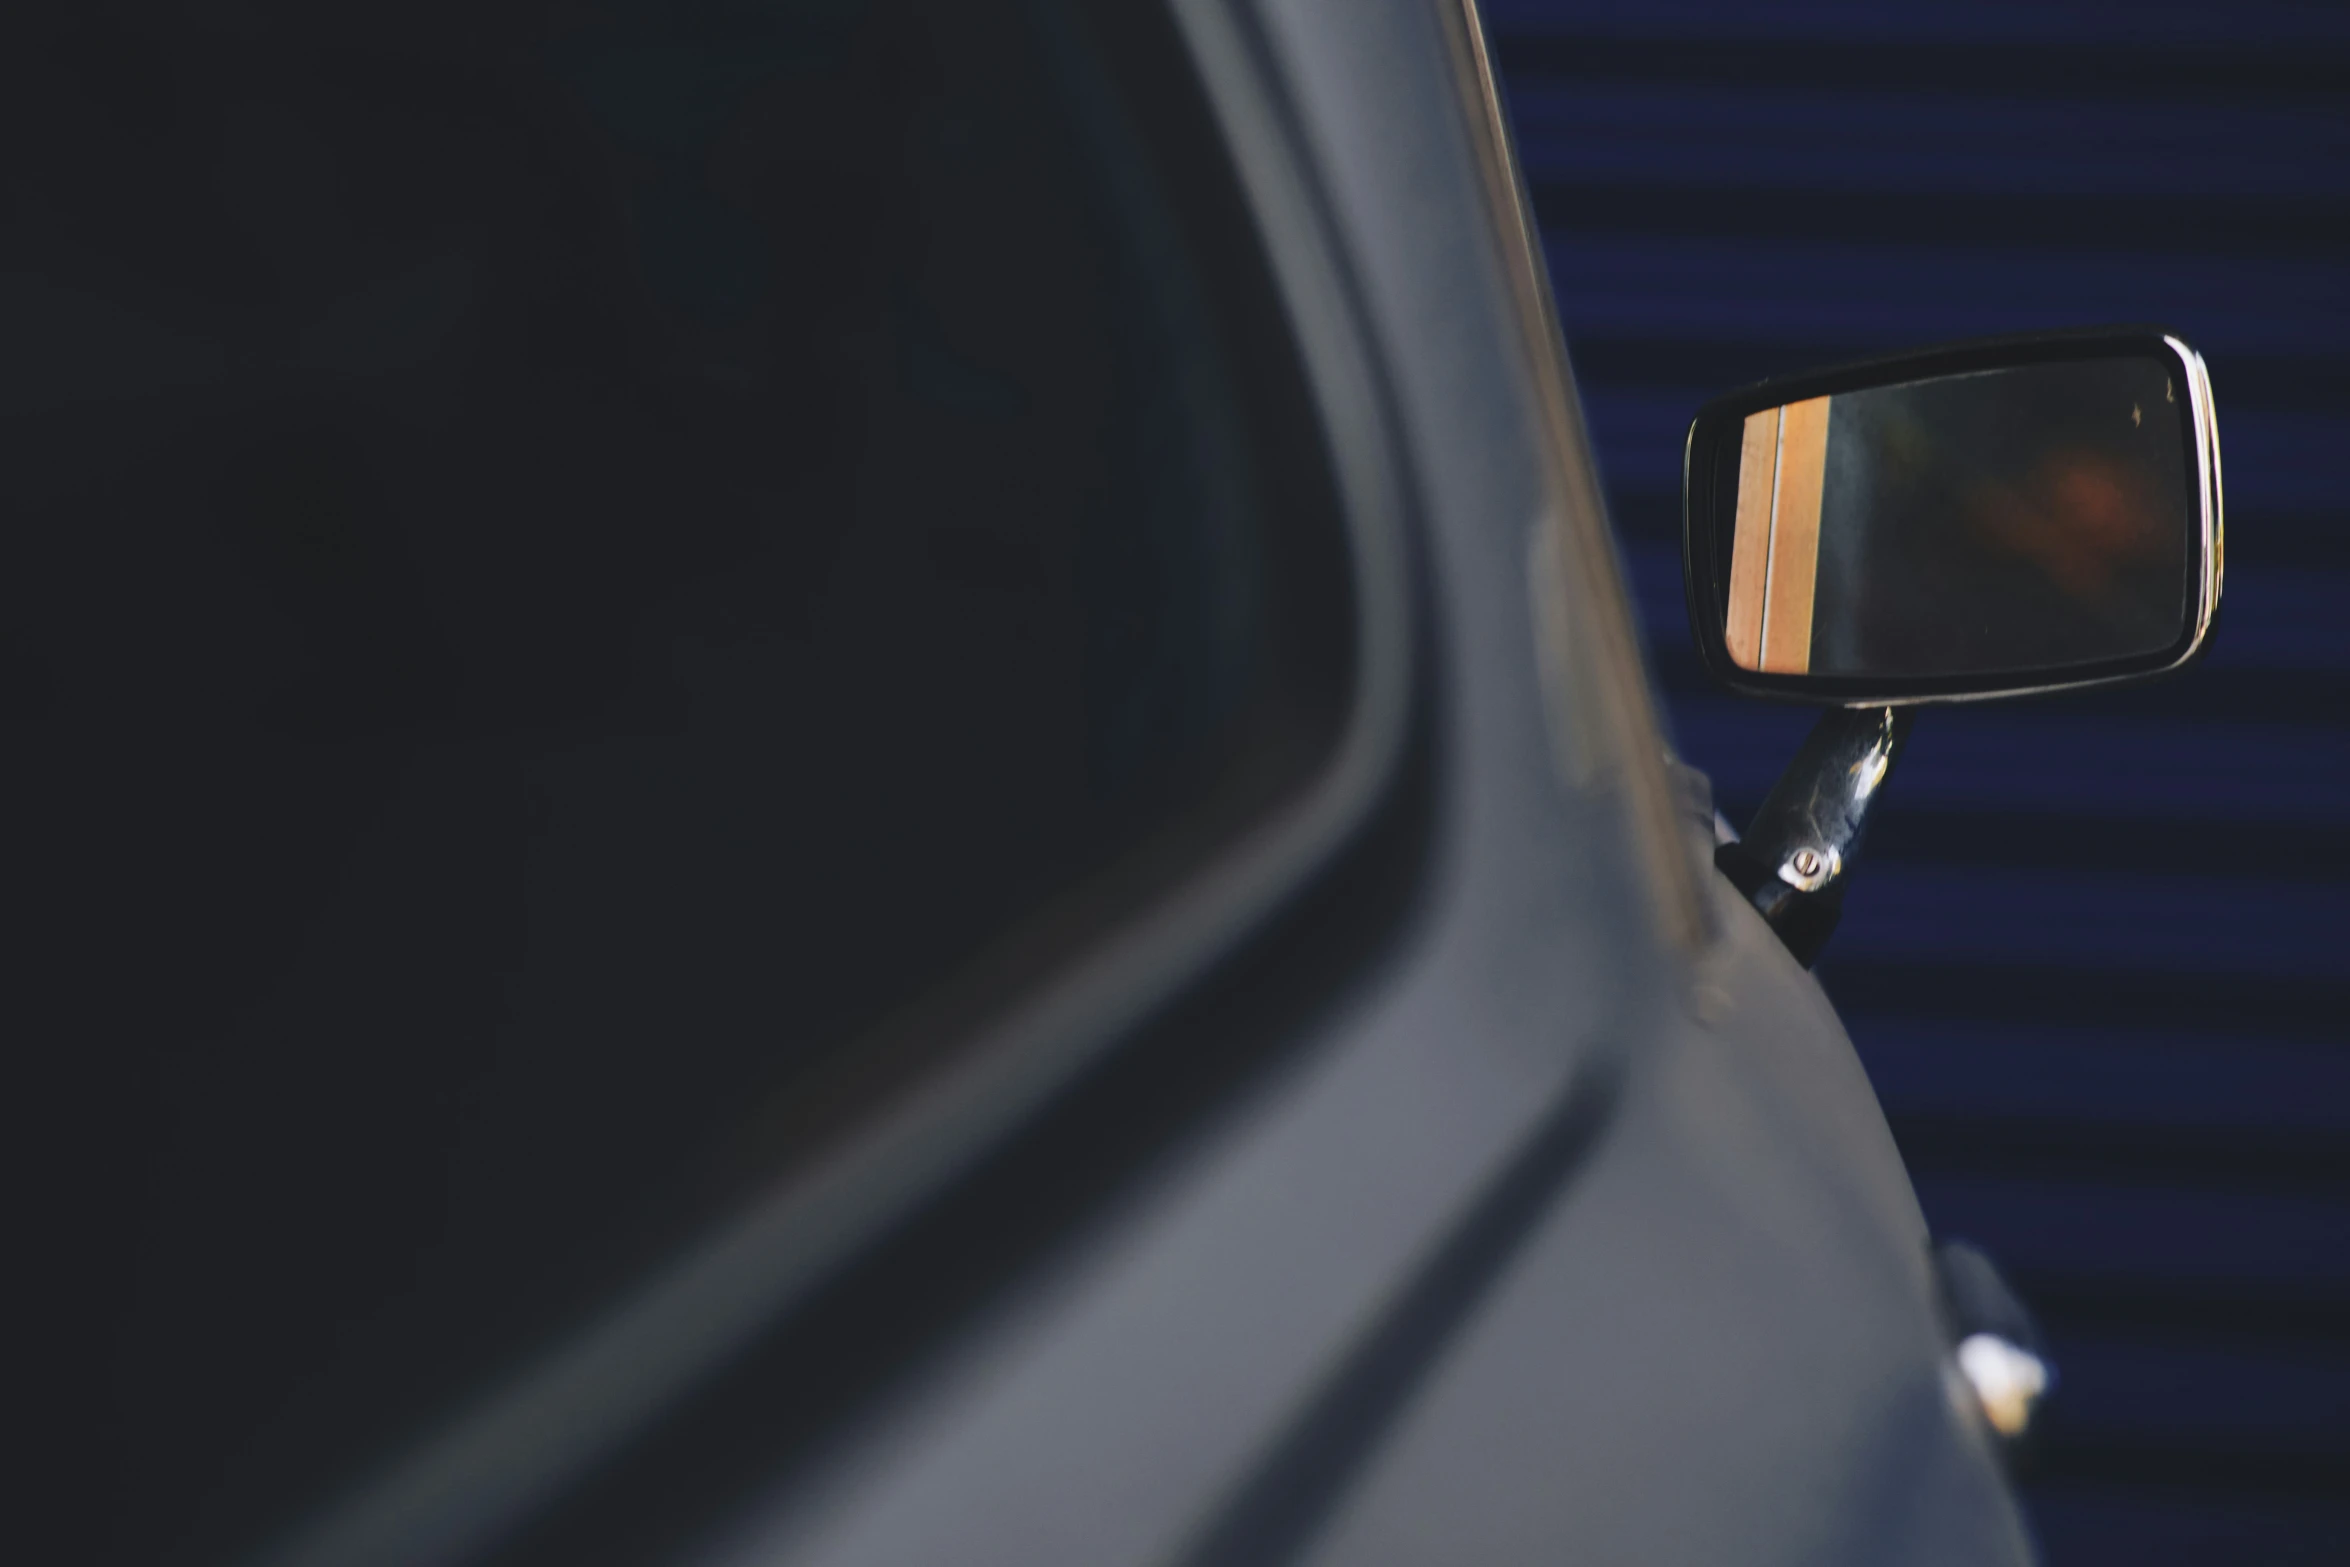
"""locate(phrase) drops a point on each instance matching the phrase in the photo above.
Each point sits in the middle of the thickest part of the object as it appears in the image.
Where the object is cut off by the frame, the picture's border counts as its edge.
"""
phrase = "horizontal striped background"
(2095, 955)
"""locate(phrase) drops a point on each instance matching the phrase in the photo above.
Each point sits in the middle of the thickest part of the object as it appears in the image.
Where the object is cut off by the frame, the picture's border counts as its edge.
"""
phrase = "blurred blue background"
(2095, 959)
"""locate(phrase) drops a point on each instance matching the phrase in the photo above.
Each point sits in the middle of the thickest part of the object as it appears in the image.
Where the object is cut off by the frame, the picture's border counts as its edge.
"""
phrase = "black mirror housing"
(1987, 519)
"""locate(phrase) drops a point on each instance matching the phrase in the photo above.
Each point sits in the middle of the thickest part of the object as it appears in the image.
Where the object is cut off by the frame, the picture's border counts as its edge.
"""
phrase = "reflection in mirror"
(2007, 520)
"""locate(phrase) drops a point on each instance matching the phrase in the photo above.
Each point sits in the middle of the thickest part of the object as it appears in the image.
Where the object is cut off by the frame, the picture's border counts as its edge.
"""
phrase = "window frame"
(477, 1477)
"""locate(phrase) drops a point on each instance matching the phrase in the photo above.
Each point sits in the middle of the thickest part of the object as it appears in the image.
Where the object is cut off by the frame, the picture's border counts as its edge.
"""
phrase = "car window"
(583, 600)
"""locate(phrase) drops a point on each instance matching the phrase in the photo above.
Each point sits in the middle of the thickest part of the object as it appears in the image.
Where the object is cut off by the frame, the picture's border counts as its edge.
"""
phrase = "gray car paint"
(1712, 1336)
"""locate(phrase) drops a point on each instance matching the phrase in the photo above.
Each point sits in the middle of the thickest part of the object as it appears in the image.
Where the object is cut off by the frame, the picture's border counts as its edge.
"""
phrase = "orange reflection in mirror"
(2079, 516)
(1775, 545)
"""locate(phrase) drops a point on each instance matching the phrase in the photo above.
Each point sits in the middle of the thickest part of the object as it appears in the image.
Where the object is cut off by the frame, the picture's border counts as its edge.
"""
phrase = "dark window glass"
(583, 597)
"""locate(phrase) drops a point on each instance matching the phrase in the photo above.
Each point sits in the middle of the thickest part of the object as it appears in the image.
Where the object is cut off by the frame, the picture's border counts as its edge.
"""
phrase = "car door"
(1569, 1227)
(911, 818)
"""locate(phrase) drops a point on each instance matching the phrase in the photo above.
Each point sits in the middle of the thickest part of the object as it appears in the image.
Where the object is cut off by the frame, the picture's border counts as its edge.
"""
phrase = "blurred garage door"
(2096, 963)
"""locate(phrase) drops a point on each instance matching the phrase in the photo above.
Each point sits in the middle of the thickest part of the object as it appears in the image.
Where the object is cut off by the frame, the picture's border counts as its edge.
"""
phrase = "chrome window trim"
(459, 1493)
(1595, 670)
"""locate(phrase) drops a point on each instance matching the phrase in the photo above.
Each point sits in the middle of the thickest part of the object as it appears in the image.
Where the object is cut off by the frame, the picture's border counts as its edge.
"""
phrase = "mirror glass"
(2004, 520)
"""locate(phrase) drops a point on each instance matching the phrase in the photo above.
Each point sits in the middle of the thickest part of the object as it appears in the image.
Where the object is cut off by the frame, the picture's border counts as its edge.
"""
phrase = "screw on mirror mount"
(1796, 856)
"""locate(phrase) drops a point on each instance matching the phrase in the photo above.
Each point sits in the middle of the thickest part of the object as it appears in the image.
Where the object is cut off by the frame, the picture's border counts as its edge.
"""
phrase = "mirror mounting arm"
(1796, 857)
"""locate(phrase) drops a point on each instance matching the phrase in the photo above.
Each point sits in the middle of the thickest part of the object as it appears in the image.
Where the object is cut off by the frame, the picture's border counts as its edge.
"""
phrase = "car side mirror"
(1992, 519)
(2028, 514)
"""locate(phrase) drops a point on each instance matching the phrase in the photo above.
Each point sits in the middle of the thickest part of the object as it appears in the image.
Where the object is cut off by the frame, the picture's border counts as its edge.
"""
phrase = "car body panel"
(1569, 1231)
